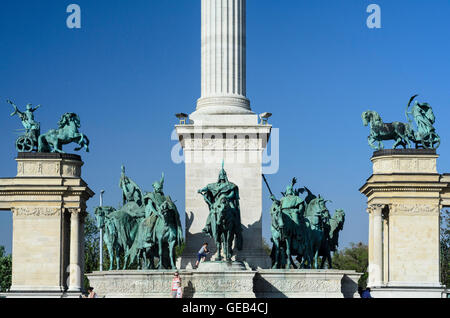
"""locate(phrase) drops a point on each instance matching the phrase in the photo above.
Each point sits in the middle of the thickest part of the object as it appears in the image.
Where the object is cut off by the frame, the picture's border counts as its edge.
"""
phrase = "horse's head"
(100, 215)
(317, 211)
(339, 216)
(276, 214)
(220, 208)
(370, 116)
(69, 118)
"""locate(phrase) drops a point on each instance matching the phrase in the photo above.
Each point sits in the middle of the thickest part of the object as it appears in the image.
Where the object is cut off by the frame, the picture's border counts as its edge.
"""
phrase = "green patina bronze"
(424, 136)
(29, 141)
(53, 140)
(224, 220)
(302, 228)
(146, 228)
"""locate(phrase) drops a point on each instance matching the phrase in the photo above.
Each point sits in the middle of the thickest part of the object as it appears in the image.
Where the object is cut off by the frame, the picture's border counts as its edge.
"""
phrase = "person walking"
(179, 291)
(91, 293)
(202, 254)
(176, 282)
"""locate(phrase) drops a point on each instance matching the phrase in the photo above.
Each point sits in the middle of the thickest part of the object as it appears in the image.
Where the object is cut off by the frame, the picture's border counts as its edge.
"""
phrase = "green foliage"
(179, 249)
(91, 249)
(5, 270)
(266, 247)
(356, 257)
(445, 248)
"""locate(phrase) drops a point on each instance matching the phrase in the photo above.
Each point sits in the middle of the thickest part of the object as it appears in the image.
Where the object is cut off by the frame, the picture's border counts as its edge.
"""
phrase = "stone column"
(223, 58)
(376, 267)
(385, 248)
(75, 266)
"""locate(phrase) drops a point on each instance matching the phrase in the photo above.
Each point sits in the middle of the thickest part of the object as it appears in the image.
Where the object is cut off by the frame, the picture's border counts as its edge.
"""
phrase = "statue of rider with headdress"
(153, 202)
(291, 203)
(131, 191)
(214, 193)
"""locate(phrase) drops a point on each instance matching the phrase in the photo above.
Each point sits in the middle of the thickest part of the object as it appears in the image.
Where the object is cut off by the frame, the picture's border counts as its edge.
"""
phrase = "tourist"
(176, 281)
(202, 254)
(366, 293)
(179, 291)
(91, 293)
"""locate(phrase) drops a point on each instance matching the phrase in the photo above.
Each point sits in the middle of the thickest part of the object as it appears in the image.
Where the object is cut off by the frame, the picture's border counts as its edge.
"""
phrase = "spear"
(267, 184)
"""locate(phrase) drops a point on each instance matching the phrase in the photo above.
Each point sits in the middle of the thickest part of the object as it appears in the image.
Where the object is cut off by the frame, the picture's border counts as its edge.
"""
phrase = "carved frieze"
(36, 211)
(413, 209)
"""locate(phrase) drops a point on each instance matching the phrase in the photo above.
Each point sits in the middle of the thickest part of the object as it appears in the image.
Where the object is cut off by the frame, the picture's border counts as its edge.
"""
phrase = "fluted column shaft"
(223, 56)
(376, 263)
(75, 250)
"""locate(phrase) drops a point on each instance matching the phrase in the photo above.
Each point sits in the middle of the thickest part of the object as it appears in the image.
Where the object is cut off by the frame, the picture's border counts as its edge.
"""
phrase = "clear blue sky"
(313, 63)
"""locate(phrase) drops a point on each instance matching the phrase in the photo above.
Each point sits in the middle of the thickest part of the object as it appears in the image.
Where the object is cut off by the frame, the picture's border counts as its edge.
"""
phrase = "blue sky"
(313, 63)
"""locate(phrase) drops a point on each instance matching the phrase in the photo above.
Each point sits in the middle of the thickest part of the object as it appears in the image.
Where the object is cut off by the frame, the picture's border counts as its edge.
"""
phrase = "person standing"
(179, 291)
(176, 282)
(202, 254)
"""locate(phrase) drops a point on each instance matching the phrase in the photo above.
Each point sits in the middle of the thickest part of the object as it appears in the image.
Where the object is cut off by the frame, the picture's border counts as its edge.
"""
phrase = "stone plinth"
(228, 283)
(281, 283)
(48, 202)
(404, 202)
(241, 149)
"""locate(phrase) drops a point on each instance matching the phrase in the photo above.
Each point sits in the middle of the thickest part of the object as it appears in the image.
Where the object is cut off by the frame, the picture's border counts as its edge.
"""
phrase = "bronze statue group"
(303, 228)
(147, 228)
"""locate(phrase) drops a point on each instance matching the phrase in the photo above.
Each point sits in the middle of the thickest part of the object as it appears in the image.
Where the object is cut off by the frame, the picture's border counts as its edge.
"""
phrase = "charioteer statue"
(403, 134)
(54, 139)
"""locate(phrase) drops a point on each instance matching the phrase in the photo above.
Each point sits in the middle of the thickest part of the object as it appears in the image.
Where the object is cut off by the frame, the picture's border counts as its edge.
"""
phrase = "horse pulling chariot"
(403, 133)
(53, 140)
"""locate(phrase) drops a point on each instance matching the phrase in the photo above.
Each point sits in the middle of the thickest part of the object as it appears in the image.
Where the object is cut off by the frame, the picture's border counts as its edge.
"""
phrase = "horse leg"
(111, 255)
(126, 259)
(219, 250)
(160, 253)
(276, 244)
(172, 253)
(288, 254)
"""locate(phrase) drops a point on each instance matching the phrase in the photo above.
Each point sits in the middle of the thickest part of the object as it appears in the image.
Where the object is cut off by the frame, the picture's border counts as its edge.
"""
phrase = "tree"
(445, 247)
(266, 247)
(356, 257)
(91, 247)
(5, 270)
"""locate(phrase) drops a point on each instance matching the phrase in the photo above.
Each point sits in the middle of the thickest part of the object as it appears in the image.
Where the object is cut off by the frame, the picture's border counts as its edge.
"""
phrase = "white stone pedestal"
(405, 195)
(48, 202)
(241, 148)
(217, 280)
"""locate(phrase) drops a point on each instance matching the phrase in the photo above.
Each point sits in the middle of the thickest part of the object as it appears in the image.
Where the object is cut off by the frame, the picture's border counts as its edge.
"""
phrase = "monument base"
(41, 294)
(408, 292)
(222, 280)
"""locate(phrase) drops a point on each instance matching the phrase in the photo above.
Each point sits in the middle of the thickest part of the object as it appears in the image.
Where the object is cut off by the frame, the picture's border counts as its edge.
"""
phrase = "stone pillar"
(75, 255)
(46, 238)
(404, 240)
(385, 247)
(223, 128)
(223, 58)
(376, 265)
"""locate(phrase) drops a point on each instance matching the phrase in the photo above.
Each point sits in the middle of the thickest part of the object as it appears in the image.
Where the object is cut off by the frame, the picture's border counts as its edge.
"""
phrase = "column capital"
(376, 209)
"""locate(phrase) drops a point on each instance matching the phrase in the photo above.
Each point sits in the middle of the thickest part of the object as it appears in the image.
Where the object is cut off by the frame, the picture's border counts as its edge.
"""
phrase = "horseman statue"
(224, 220)
(302, 228)
(145, 228)
(403, 133)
